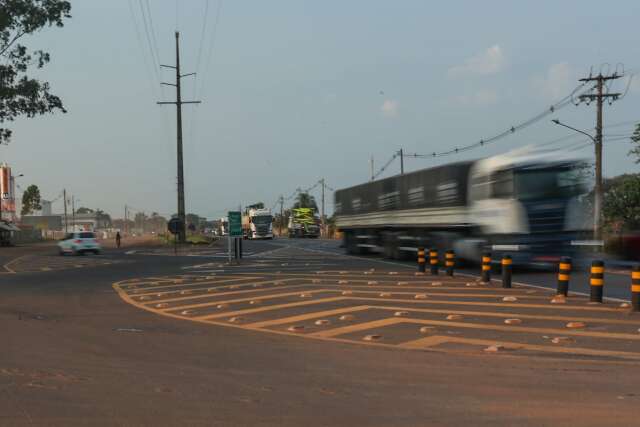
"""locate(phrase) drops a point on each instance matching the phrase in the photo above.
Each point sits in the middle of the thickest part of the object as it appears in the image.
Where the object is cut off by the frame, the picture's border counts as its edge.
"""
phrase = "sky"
(297, 90)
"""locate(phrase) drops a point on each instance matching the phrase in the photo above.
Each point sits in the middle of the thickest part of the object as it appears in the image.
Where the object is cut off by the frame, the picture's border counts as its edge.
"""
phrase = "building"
(43, 222)
(7, 193)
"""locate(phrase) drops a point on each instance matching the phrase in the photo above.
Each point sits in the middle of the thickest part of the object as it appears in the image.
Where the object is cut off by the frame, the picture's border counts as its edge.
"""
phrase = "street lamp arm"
(558, 122)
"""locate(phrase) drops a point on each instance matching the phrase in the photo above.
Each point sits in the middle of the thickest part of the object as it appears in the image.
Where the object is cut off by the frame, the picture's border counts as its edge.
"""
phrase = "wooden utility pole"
(73, 212)
(401, 154)
(599, 97)
(281, 217)
(371, 164)
(66, 219)
(178, 103)
(322, 219)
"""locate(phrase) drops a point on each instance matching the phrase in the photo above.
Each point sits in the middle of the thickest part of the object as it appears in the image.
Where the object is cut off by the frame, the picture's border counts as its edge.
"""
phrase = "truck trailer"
(529, 204)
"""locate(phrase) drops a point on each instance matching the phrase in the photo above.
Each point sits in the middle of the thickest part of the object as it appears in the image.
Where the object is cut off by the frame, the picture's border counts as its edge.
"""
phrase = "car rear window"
(87, 236)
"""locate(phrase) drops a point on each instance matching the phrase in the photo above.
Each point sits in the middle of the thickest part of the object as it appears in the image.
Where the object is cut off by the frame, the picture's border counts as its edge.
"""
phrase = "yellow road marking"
(308, 316)
(269, 308)
(357, 327)
(428, 342)
(212, 282)
(216, 294)
(520, 329)
(453, 294)
(231, 301)
(496, 304)
(510, 315)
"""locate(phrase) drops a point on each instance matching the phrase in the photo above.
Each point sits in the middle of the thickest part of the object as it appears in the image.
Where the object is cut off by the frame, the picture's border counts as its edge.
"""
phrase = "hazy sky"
(299, 90)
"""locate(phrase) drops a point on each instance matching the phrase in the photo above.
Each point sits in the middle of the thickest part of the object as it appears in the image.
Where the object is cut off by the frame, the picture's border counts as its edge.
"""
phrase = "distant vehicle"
(224, 227)
(303, 222)
(525, 203)
(79, 243)
(258, 224)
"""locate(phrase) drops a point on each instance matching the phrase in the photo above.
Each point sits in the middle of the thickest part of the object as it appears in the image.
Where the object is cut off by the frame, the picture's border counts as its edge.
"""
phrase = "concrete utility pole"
(599, 97)
(66, 219)
(178, 103)
(401, 154)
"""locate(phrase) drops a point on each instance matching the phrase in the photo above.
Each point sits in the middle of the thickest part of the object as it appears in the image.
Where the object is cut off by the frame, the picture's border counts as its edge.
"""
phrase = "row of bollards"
(596, 280)
(449, 264)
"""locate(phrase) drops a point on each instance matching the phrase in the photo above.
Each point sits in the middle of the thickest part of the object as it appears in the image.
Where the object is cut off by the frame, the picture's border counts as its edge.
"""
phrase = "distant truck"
(303, 223)
(258, 224)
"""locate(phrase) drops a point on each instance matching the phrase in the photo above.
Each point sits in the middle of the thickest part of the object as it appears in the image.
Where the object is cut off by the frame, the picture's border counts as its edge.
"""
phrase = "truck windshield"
(549, 183)
(261, 219)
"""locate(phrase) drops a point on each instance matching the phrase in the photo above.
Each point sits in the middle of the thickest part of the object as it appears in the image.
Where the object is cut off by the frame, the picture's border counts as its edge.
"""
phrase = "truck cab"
(260, 224)
(530, 204)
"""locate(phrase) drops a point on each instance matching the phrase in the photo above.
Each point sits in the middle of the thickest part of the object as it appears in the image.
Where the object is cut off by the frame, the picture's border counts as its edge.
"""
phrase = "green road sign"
(235, 224)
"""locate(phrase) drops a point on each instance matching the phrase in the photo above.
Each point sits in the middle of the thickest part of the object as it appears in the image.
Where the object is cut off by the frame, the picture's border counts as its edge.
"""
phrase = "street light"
(597, 200)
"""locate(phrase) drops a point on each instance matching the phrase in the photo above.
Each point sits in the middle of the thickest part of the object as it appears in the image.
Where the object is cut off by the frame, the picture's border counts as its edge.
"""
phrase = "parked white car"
(79, 243)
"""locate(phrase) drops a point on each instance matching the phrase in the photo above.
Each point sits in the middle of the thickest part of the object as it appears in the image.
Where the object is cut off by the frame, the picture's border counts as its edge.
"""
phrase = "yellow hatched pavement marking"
(231, 301)
(494, 304)
(429, 342)
(217, 294)
(357, 327)
(211, 282)
(452, 294)
(267, 308)
(520, 329)
(508, 315)
(308, 316)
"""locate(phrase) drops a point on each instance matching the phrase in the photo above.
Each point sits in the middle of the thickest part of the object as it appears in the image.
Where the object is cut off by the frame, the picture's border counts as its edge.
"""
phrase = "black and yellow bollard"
(635, 288)
(486, 267)
(564, 275)
(449, 262)
(421, 260)
(506, 271)
(597, 280)
(433, 261)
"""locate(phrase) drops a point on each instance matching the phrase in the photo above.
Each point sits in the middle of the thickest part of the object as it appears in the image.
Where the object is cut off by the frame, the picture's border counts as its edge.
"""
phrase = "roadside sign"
(235, 224)
(174, 225)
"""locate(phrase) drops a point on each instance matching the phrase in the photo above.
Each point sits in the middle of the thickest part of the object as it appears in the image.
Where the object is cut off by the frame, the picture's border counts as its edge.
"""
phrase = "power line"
(214, 33)
(154, 57)
(567, 100)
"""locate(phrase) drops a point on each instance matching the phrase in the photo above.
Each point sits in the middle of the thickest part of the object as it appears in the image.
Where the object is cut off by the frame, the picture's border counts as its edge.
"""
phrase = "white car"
(79, 243)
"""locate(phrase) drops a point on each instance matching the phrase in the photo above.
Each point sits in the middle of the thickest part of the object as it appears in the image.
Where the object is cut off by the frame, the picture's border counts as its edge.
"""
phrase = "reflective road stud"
(433, 261)
(635, 288)
(421, 260)
(506, 271)
(597, 280)
(486, 267)
(564, 274)
(450, 262)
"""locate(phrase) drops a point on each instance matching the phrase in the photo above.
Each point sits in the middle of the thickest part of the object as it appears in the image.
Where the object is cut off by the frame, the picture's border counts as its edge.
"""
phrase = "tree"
(621, 207)
(103, 219)
(83, 210)
(31, 200)
(21, 95)
(635, 139)
(305, 200)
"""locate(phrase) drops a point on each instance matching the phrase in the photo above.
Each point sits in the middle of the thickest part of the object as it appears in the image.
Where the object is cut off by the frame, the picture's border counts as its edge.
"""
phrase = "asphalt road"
(300, 334)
